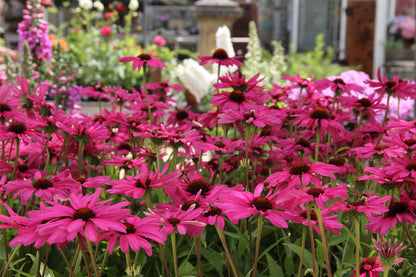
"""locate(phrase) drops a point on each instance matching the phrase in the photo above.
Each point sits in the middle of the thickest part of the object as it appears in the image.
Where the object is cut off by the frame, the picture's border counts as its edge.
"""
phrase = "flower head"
(220, 56)
(143, 60)
(388, 251)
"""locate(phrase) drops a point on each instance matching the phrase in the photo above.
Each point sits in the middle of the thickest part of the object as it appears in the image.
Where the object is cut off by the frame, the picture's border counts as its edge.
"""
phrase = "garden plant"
(302, 177)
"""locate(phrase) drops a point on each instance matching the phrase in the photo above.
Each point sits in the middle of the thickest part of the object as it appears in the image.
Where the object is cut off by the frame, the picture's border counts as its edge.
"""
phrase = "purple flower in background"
(35, 31)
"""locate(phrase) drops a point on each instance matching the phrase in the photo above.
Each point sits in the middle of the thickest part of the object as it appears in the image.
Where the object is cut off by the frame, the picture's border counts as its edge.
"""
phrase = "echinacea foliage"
(296, 179)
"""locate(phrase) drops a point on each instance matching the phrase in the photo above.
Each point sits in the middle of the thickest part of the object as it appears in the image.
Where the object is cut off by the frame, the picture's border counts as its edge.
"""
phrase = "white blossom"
(223, 40)
(85, 4)
(99, 6)
(195, 78)
(133, 5)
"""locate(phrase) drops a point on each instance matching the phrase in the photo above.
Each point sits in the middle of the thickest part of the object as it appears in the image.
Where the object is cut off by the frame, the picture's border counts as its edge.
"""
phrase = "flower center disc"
(315, 192)
(144, 57)
(4, 108)
(42, 183)
(299, 169)
(181, 114)
(367, 265)
(337, 161)
(17, 128)
(364, 102)
(237, 96)
(84, 214)
(196, 185)
(213, 212)
(396, 208)
(262, 203)
(173, 221)
(319, 113)
(129, 228)
(220, 54)
(411, 166)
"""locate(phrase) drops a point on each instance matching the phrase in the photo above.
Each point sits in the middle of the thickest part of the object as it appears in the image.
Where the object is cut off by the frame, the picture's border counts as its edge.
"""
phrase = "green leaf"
(272, 266)
(307, 257)
(215, 259)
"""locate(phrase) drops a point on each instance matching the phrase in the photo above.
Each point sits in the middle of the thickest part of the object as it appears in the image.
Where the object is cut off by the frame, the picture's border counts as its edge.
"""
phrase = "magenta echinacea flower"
(138, 230)
(220, 56)
(370, 267)
(242, 204)
(239, 82)
(302, 174)
(58, 186)
(143, 60)
(83, 215)
(173, 218)
(398, 211)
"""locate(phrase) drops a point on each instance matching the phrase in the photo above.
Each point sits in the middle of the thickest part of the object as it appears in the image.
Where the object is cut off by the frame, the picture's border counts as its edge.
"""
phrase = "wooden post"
(359, 50)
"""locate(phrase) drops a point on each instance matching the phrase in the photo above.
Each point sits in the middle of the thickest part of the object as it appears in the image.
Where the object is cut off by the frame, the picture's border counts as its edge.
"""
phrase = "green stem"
(308, 215)
(386, 271)
(71, 270)
(357, 247)
(128, 262)
(197, 241)
(16, 158)
(149, 111)
(175, 258)
(406, 229)
(300, 96)
(92, 256)
(103, 262)
(81, 147)
(318, 140)
(358, 129)
(46, 260)
(164, 261)
(324, 243)
(256, 255)
(227, 252)
(303, 251)
(246, 161)
(387, 110)
(6, 266)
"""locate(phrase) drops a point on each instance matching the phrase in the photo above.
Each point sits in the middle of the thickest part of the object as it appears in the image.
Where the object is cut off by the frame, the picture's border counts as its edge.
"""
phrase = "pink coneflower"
(136, 186)
(337, 85)
(370, 150)
(142, 60)
(343, 167)
(242, 204)
(83, 215)
(261, 116)
(321, 194)
(373, 205)
(318, 117)
(173, 218)
(388, 251)
(9, 103)
(93, 182)
(221, 57)
(302, 174)
(59, 186)
(181, 117)
(330, 222)
(369, 267)
(134, 238)
(22, 128)
(369, 106)
(124, 162)
(239, 82)
(301, 82)
(238, 100)
(397, 211)
(397, 87)
(402, 166)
